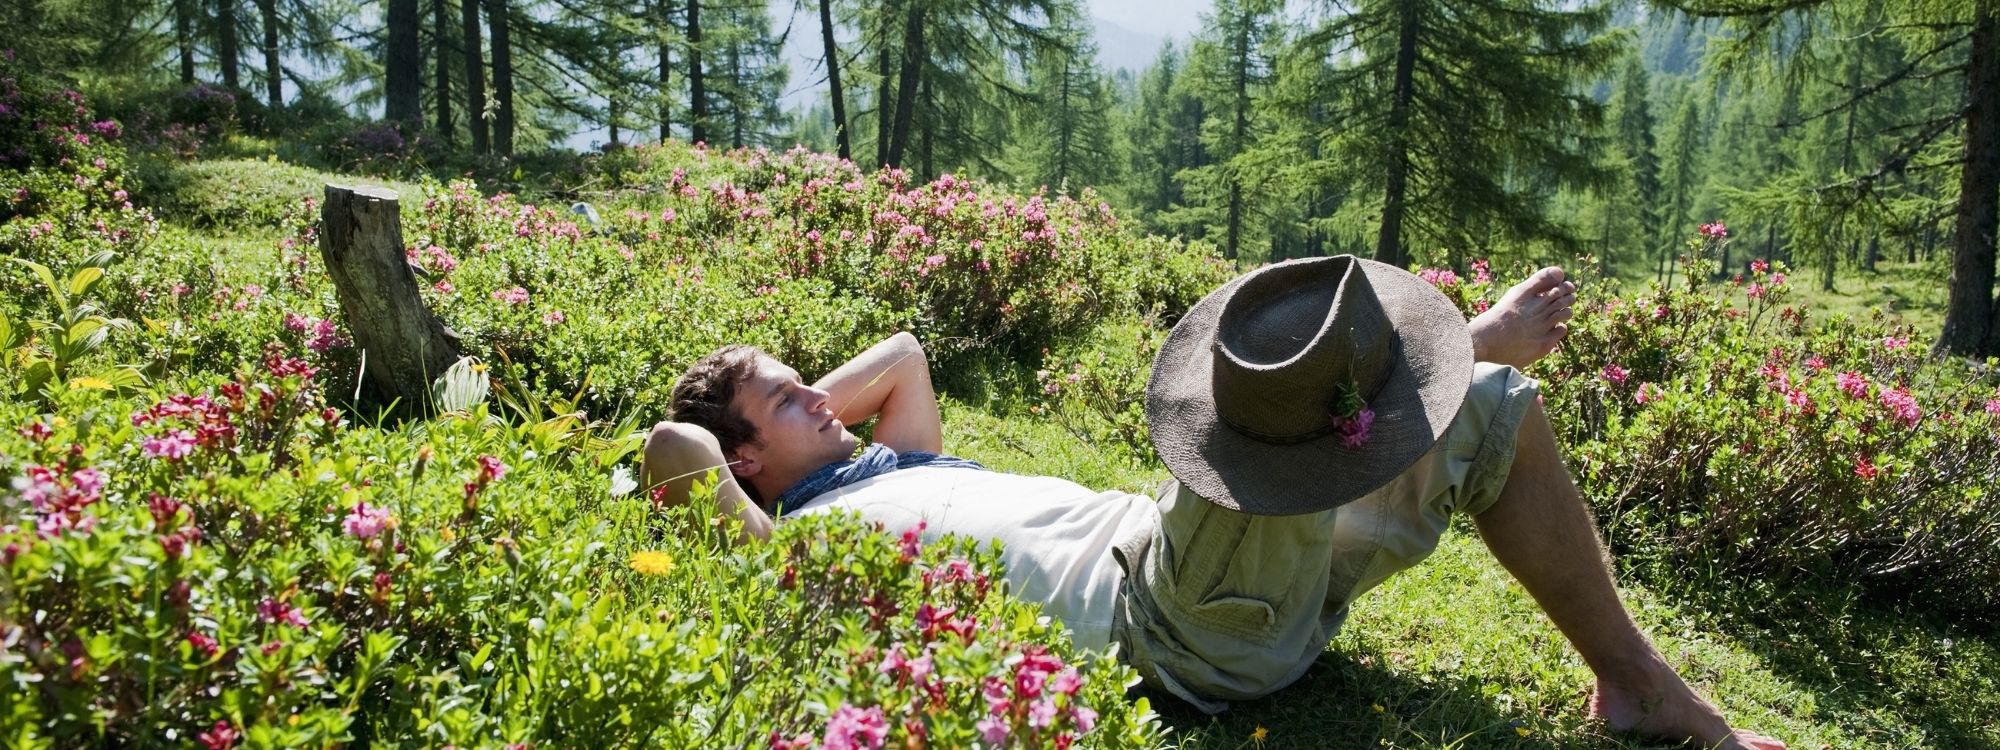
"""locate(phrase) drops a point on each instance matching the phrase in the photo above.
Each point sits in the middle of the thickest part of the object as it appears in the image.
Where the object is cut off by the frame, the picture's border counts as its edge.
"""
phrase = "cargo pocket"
(1234, 573)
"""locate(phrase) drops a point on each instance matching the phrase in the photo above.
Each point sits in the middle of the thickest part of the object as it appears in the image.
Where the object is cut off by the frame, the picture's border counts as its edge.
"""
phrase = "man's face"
(796, 429)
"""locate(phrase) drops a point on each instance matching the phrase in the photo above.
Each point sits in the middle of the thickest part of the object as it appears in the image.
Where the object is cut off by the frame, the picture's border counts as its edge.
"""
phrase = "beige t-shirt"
(1057, 535)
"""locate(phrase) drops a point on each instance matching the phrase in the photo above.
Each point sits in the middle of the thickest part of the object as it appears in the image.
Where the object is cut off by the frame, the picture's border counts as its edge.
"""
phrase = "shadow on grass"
(1352, 700)
(1867, 665)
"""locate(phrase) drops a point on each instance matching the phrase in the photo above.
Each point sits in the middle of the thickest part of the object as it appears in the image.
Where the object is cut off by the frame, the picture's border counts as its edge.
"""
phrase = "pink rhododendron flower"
(490, 469)
(1865, 469)
(1616, 375)
(1852, 383)
(512, 296)
(1068, 682)
(1354, 430)
(852, 728)
(366, 522)
(1481, 271)
(203, 644)
(1648, 393)
(1041, 713)
(992, 730)
(1799, 399)
(222, 736)
(1085, 718)
(1903, 405)
(554, 317)
(1895, 343)
(1440, 277)
(173, 446)
(1714, 231)
(1993, 406)
(1760, 265)
(1777, 279)
(1815, 362)
(274, 611)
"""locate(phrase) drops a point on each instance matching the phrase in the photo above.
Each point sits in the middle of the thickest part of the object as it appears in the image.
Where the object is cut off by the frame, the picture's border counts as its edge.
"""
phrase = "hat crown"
(1290, 339)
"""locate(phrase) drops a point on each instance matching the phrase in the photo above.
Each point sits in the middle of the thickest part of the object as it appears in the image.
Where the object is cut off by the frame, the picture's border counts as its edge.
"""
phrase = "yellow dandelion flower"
(1259, 735)
(652, 563)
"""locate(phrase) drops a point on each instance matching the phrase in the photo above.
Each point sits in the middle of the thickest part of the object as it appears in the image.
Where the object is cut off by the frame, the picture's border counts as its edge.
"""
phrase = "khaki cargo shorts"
(1219, 605)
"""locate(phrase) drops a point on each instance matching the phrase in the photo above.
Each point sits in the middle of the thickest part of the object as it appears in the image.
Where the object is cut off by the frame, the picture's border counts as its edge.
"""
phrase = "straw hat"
(1254, 399)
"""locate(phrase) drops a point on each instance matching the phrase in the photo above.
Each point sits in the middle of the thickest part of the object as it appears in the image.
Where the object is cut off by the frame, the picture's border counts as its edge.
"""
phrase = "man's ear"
(746, 460)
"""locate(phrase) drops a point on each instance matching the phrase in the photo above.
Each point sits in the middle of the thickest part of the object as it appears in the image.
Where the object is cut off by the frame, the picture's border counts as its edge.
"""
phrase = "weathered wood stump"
(404, 346)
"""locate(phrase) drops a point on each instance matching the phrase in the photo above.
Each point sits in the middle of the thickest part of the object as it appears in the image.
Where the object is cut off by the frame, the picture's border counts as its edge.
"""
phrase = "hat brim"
(1428, 378)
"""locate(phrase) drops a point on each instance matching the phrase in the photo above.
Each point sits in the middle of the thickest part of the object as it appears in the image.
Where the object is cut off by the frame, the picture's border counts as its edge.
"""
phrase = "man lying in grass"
(1322, 419)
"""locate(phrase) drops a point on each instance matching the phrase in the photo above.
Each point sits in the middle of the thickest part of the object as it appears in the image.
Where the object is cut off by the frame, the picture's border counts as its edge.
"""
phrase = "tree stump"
(403, 345)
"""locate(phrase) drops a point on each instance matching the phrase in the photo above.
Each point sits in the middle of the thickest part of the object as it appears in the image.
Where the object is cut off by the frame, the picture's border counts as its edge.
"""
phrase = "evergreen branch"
(1901, 74)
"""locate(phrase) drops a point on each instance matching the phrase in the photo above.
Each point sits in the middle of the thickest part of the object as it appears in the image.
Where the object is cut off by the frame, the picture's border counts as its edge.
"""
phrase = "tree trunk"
(225, 43)
(404, 347)
(736, 94)
(884, 104)
(1389, 244)
(697, 94)
(611, 120)
(906, 83)
(665, 10)
(184, 38)
(1233, 240)
(475, 75)
(402, 67)
(440, 34)
(1874, 253)
(833, 80)
(503, 78)
(1968, 317)
(274, 71)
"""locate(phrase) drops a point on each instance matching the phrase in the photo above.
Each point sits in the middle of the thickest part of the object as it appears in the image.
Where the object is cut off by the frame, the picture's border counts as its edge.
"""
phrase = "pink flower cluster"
(1852, 383)
(1029, 702)
(1354, 430)
(274, 611)
(60, 497)
(1438, 277)
(1615, 375)
(1903, 405)
(365, 522)
(490, 470)
(1648, 393)
(512, 296)
(1714, 231)
(321, 333)
(211, 422)
(222, 737)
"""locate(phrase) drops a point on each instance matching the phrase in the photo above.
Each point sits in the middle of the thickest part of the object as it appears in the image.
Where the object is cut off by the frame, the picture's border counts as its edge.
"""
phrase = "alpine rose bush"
(1722, 428)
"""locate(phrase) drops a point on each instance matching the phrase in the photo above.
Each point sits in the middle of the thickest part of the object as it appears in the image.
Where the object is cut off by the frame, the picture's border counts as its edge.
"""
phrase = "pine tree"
(1229, 67)
(1955, 41)
(1680, 179)
(1632, 125)
(1465, 116)
(1066, 131)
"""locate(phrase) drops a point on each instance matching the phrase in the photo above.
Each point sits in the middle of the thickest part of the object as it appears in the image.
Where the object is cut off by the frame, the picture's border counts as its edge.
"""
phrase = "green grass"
(1913, 292)
(1454, 654)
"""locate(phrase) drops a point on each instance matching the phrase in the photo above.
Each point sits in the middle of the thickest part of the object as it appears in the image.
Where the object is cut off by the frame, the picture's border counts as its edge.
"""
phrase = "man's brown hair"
(703, 394)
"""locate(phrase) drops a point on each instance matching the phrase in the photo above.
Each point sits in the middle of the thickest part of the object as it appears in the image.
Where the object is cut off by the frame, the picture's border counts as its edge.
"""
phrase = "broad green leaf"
(81, 282)
(48, 280)
(461, 387)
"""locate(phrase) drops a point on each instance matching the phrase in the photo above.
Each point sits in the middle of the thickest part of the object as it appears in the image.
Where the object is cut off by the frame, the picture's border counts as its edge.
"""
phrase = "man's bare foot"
(1672, 711)
(1527, 322)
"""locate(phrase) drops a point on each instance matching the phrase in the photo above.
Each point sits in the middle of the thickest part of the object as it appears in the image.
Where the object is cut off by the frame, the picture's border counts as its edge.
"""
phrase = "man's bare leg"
(1541, 532)
(1527, 322)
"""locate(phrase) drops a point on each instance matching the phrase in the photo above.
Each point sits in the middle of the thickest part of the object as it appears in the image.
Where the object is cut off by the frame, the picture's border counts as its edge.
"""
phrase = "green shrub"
(234, 559)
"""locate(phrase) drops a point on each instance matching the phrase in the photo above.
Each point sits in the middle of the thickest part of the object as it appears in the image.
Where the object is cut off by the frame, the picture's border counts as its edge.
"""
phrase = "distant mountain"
(1121, 47)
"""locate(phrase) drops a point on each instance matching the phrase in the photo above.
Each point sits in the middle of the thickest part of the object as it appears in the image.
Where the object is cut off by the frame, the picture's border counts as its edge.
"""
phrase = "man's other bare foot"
(1527, 322)
(1670, 710)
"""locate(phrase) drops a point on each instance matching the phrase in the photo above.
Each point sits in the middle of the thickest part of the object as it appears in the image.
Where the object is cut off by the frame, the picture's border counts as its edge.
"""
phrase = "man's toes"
(1537, 284)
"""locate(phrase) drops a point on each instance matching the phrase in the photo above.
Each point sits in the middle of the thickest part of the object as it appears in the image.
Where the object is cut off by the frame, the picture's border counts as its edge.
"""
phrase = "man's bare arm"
(893, 380)
(677, 454)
